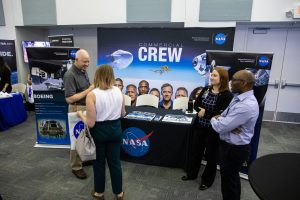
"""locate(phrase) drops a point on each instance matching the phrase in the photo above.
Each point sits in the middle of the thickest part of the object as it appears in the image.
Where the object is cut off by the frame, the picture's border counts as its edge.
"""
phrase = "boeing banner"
(257, 63)
(175, 56)
(47, 68)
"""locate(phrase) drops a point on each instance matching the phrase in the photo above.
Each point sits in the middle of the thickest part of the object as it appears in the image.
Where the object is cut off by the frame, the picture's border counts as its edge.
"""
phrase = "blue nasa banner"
(176, 56)
(257, 63)
(47, 68)
(8, 52)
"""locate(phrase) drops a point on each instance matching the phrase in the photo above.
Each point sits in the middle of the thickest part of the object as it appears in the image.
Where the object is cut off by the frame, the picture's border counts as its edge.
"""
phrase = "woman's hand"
(81, 116)
(201, 112)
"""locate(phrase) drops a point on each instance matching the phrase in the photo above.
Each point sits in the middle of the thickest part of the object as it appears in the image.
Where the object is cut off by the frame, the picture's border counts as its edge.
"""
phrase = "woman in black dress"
(211, 101)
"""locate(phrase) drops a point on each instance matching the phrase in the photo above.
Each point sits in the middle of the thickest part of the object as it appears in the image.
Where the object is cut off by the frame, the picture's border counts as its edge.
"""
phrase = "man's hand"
(201, 112)
(237, 130)
(217, 116)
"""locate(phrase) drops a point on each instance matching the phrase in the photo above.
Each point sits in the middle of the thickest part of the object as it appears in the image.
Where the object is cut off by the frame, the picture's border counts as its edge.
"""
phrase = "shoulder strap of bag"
(87, 132)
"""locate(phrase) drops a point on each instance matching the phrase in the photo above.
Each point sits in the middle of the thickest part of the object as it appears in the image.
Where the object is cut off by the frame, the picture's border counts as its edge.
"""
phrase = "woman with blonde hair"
(104, 107)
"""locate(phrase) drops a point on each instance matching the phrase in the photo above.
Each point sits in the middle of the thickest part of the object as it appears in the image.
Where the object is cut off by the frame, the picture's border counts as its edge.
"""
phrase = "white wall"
(262, 11)
(178, 11)
(192, 16)
(272, 10)
(71, 12)
(13, 17)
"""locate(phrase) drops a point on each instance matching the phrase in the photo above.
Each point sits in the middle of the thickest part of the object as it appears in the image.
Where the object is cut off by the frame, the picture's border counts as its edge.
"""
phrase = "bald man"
(77, 86)
(236, 128)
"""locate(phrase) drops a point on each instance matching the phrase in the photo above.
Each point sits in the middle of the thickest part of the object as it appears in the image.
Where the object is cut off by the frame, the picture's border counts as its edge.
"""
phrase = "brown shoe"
(120, 198)
(96, 196)
(79, 174)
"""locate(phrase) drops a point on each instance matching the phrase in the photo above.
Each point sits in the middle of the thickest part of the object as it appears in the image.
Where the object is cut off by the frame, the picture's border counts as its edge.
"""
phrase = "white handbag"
(85, 145)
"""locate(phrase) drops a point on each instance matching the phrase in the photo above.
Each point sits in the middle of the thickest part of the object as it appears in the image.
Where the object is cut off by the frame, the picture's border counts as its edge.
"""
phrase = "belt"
(233, 145)
(77, 104)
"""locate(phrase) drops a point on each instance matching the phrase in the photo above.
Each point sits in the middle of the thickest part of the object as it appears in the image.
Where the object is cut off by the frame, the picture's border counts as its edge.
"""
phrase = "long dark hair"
(3, 65)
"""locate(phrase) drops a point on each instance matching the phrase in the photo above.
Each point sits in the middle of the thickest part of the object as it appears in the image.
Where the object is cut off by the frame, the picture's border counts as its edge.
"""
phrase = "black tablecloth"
(169, 142)
(276, 176)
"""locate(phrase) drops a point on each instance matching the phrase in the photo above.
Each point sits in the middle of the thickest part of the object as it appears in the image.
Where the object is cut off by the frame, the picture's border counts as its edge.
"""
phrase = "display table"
(168, 142)
(12, 111)
(276, 176)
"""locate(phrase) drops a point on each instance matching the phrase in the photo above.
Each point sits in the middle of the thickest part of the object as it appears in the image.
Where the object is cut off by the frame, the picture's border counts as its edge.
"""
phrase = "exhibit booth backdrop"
(47, 68)
(257, 63)
(161, 55)
(8, 52)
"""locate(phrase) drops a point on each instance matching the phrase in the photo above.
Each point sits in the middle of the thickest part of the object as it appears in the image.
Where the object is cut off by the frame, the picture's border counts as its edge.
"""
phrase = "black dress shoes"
(203, 187)
(186, 178)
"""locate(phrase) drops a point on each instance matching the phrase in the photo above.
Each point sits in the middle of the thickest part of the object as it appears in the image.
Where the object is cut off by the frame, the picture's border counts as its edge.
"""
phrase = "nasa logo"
(220, 38)
(78, 128)
(263, 61)
(73, 53)
(135, 142)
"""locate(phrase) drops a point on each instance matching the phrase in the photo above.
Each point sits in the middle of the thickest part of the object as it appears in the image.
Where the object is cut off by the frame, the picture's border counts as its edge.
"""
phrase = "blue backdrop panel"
(176, 56)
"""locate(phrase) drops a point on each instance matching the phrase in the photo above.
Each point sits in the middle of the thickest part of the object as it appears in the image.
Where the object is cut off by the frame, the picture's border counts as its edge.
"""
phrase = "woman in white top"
(104, 107)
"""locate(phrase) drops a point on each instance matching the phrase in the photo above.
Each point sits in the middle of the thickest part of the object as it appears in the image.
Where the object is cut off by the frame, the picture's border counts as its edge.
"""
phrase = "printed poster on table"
(47, 68)
(162, 55)
(257, 63)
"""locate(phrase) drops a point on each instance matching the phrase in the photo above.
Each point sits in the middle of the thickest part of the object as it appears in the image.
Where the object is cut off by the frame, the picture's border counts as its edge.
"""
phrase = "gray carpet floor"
(30, 173)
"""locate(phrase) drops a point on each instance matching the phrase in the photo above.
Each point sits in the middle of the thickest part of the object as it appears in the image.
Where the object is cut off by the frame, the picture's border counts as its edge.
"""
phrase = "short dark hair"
(166, 85)
(182, 88)
(118, 79)
(194, 92)
(131, 85)
(154, 89)
(144, 81)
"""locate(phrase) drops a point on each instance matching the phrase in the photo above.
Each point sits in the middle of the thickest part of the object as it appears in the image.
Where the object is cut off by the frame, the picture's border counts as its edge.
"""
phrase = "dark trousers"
(231, 160)
(205, 139)
(107, 137)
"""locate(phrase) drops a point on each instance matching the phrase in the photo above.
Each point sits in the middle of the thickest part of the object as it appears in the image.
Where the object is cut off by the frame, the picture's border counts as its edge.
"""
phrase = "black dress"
(205, 139)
